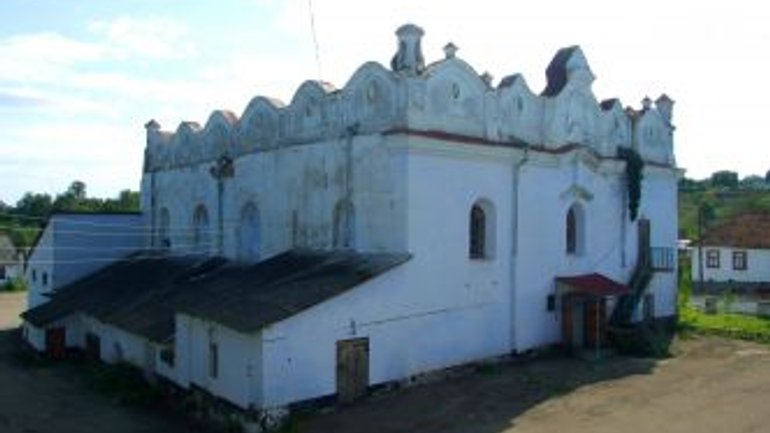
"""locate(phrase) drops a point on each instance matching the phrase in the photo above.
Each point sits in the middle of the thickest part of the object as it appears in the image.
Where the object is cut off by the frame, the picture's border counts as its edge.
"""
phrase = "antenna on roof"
(315, 38)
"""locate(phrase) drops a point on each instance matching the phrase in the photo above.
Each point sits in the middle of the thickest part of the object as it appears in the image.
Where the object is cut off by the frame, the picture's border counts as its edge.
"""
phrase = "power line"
(118, 248)
(121, 259)
(134, 227)
(315, 38)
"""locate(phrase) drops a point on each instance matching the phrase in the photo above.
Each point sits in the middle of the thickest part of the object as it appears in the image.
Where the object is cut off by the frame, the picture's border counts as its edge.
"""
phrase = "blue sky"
(79, 79)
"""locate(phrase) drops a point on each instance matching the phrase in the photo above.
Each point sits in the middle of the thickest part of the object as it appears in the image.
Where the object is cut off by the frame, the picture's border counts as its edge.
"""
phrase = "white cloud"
(154, 38)
(43, 57)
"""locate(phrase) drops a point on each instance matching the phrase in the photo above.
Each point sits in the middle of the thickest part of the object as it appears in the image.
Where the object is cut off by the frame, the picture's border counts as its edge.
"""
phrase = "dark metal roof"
(556, 73)
(748, 230)
(594, 284)
(142, 296)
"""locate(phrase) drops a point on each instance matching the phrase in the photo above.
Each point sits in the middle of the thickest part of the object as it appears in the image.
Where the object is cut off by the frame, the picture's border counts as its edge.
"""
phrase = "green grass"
(725, 324)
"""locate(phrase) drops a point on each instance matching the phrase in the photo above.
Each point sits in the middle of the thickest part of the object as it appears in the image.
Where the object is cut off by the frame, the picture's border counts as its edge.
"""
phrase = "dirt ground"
(55, 398)
(711, 385)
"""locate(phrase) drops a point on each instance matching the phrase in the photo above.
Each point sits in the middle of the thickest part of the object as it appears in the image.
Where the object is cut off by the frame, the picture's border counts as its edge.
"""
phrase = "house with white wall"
(10, 260)
(73, 245)
(417, 218)
(734, 256)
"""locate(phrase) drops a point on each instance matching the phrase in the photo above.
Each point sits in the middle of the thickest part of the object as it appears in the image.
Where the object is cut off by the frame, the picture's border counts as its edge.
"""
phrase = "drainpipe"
(515, 239)
(223, 169)
(153, 213)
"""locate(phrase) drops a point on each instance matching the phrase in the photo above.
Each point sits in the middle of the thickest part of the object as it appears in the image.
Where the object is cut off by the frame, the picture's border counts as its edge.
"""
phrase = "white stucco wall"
(757, 265)
(40, 262)
(34, 336)
(439, 309)
(659, 205)
(239, 373)
(307, 181)
(549, 186)
(404, 339)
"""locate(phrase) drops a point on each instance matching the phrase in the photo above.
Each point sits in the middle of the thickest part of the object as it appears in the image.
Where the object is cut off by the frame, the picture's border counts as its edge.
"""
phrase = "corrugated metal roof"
(142, 296)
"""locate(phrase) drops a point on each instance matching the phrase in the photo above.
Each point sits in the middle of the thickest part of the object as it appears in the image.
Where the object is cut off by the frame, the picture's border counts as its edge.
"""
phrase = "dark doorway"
(93, 346)
(55, 343)
(352, 369)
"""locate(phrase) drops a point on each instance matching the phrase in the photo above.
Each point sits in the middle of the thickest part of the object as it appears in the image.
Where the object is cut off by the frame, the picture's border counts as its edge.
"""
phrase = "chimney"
(665, 106)
(153, 128)
(408, 58)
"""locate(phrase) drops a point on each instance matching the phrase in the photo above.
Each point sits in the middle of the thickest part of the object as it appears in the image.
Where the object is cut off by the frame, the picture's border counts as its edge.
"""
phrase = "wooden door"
(55, 343)
(352, 369)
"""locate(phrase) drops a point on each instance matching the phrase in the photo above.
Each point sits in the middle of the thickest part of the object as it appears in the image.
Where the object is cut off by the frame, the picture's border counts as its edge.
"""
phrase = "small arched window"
(201, 230)
(575, 230)
(478, 230)
(249, 238)
(481, 228)
(344, 235)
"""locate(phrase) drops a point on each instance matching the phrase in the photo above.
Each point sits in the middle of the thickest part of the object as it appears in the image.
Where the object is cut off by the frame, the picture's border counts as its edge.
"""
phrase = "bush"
(15, 285)
(124, 383)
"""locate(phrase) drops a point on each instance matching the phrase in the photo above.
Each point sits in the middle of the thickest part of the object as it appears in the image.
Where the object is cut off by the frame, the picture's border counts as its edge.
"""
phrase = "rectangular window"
(712, 258)
(2, 272)
(167, 356)
(739, 261)
(213, 360)
(551, 303)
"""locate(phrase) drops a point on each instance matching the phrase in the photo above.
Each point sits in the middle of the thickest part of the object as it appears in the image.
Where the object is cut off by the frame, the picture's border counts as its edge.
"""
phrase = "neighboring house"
(416, 219)
(10, 260)
(735, 255)
(73, 245)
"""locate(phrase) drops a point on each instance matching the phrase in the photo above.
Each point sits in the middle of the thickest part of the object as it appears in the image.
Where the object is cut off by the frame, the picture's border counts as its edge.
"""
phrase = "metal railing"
(662, 259)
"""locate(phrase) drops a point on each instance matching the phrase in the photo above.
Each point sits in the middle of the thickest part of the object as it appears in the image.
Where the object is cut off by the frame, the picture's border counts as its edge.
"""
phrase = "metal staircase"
(640, 279)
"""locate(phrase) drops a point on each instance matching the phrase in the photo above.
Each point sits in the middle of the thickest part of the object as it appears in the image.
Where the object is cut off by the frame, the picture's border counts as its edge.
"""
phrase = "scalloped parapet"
(447, 96)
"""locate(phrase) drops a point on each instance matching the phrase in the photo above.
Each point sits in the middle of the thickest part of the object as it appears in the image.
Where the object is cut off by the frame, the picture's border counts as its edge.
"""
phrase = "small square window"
(712, 259)
(739, 261)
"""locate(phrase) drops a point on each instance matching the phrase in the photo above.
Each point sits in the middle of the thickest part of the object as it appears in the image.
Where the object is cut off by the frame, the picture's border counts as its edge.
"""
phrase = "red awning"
(594, 285)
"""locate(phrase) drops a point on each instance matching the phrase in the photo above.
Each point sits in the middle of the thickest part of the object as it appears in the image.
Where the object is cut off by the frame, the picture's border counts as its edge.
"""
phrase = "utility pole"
(700, 246)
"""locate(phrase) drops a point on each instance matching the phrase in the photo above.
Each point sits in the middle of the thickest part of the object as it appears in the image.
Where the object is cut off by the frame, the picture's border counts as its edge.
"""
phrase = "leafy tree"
(35, 205)
(77, 190)
(725, 179)
(752, 182)
(767, 176)
(687, 184)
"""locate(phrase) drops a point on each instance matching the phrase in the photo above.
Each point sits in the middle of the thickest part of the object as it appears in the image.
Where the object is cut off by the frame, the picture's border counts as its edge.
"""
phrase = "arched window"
(478, 232)
(249, 236)
(164, 237)
(201, 230)
(481, 226)
(575, 230)
(344, 232)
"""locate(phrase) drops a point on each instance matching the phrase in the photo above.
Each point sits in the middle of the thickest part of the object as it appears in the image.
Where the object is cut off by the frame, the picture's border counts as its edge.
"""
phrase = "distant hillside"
(718, 204)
